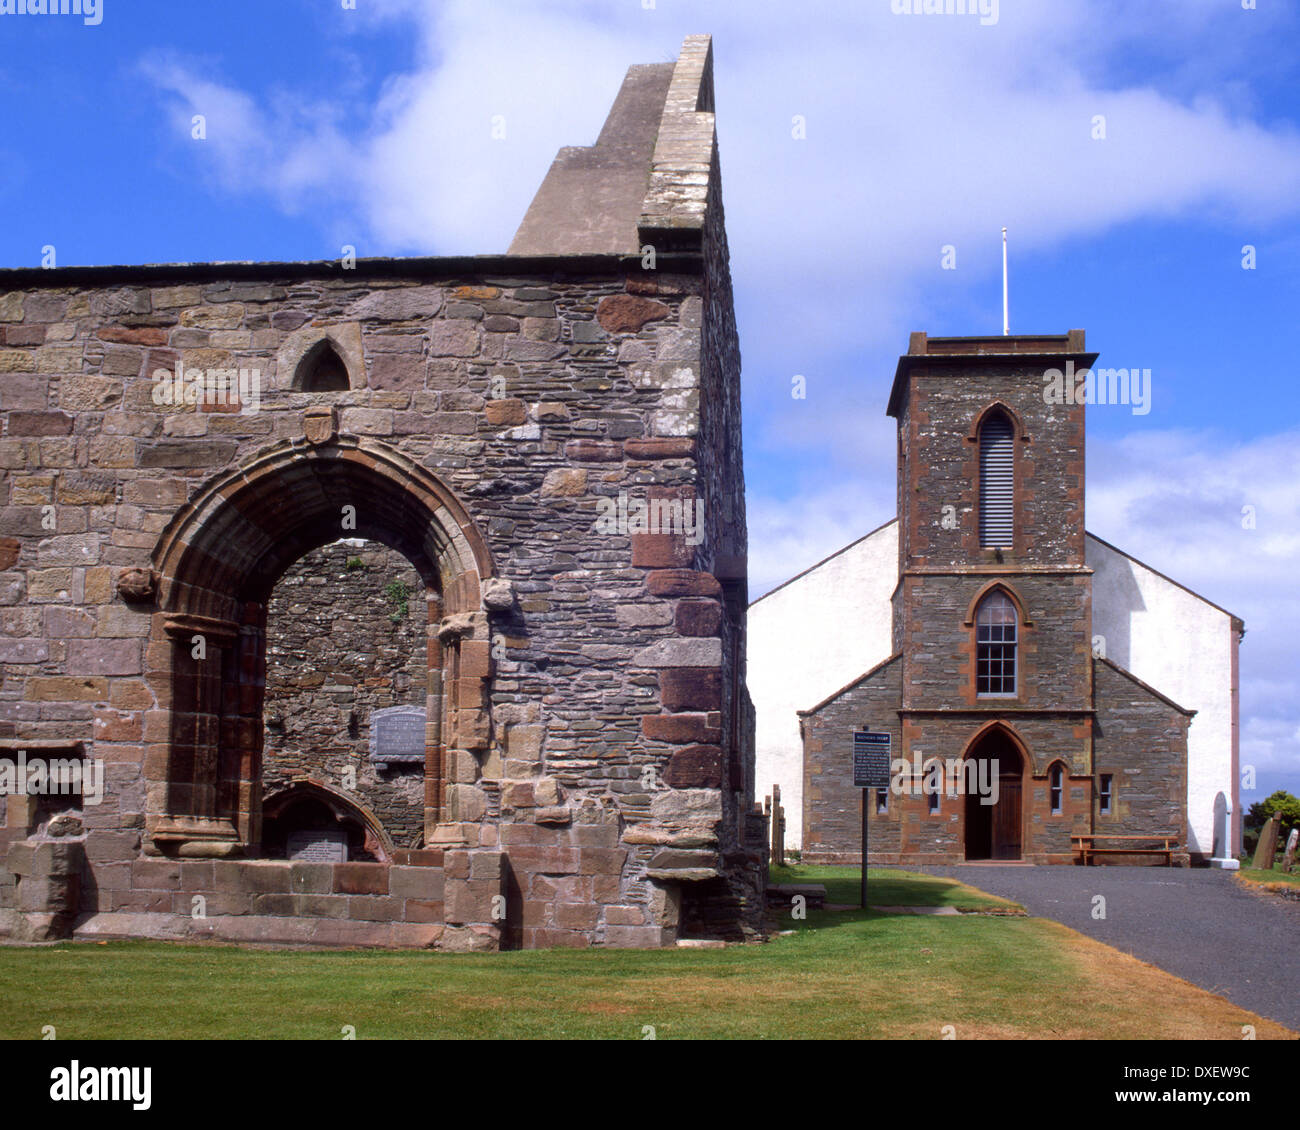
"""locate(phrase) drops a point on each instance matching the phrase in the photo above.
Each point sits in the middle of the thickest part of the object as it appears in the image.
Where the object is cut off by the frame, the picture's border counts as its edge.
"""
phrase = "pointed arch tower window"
(995, 646)
(997, 481)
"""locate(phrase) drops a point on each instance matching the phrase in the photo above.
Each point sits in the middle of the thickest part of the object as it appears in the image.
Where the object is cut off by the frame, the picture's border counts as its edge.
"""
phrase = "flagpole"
(1006, 316)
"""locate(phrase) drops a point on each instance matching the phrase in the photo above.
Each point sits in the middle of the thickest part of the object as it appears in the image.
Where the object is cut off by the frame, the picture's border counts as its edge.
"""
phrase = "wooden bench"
(1086, 845)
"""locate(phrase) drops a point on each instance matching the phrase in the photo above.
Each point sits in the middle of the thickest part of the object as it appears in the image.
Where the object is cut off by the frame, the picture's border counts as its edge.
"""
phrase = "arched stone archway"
(352, 818)
(216, 563)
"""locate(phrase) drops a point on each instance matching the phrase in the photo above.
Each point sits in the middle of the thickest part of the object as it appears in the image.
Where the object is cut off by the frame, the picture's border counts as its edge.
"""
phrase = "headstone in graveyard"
(1266, 851)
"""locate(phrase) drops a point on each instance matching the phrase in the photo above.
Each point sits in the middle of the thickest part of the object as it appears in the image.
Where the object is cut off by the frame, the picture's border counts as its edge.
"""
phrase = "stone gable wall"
(530, 396)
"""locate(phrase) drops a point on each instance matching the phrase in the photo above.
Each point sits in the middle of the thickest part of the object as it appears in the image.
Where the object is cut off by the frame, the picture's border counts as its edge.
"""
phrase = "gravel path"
(1198, 924)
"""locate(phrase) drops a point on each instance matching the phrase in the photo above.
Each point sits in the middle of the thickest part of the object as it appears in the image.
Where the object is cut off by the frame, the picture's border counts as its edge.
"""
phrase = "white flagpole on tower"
(1006, 317)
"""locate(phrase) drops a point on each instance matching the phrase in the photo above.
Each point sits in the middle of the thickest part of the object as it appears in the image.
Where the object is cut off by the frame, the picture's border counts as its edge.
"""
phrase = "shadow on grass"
(885, 887)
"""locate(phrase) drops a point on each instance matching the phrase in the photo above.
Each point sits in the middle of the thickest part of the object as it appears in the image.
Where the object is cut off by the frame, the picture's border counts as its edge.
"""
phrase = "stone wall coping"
(414, 269)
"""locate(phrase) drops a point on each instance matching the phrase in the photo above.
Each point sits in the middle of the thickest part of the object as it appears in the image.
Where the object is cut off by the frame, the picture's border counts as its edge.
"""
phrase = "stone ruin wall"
(339, 647)
(530, 396)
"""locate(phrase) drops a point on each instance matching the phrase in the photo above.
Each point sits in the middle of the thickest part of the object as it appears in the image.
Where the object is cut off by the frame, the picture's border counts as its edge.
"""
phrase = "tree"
(1282, 805)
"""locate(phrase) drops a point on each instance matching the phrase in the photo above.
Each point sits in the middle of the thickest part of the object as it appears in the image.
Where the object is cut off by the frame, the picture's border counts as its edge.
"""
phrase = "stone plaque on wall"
(397, 736)
(322, 845)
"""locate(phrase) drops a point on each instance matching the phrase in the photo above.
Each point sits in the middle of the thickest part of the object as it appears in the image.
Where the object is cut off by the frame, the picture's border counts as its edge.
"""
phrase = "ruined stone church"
(305, 558)
(985, 629)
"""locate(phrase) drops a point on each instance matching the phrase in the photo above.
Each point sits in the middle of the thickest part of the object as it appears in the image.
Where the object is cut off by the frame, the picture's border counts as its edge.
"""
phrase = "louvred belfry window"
(997, 482)
(995, 646)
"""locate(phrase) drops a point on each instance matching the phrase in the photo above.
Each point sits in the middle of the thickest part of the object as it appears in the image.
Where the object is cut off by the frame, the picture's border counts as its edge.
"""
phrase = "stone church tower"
(995, 669)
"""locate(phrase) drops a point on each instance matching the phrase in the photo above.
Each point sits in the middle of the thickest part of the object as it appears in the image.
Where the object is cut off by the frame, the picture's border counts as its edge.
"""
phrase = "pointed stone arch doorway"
(216, 564)
(995, 831)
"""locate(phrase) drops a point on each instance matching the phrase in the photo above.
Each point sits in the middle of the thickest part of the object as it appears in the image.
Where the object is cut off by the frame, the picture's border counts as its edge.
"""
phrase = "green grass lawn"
(887, 887)
(841, 974)
(1276, 875)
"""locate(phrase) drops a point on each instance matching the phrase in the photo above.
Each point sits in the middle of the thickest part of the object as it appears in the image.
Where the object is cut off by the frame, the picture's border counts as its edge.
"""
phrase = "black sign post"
(870, 771)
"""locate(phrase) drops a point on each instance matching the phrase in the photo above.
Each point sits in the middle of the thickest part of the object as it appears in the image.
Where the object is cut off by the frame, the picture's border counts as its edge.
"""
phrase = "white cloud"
(922, 131)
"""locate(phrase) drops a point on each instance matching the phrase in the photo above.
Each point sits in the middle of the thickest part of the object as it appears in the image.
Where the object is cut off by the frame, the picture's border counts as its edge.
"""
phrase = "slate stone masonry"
(590, 748)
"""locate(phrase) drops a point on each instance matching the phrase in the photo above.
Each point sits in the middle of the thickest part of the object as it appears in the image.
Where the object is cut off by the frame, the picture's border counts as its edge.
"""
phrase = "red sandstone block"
(595, 835)
(695, 767)
(682, 582)
(680, 728)
(416, 882)
(534, 913)
(601, 861)
(423, 910)
(634, 937)
(521, 796)
(487, 865)
(664, 448)
(269, 877)
(277, 906)
(625, 916)
(361, 878)
(606, 888)
(320, 906)
(132, 335)
(148, 902)
(628, 313)
(698, 618)
(39, 424)
(369, 908)
(109, 876)
(197, 876)
(261, 928)
(117, 726)
(575, 916)
(553, 860)
(661, 551)
(156, 875)
(469, 902)
(593, 451)
(559, 888)
(475, 659)
(311, 878)
(518, 835)
(507, 411)
(456, 865)
(422, 857)
(112, 847)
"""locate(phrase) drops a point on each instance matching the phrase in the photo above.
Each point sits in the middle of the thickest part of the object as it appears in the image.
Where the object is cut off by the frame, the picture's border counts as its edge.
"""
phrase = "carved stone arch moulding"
(216, 563)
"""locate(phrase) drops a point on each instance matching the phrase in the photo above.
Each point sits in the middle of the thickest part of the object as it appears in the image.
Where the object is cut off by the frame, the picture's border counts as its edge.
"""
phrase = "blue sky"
(371, 127)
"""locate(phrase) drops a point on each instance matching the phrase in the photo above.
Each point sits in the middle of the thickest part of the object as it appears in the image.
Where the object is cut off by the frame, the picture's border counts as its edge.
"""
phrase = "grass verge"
(840, 975)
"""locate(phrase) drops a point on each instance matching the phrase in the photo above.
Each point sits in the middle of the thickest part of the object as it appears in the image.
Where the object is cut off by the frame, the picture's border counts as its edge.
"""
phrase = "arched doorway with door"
(994, 831)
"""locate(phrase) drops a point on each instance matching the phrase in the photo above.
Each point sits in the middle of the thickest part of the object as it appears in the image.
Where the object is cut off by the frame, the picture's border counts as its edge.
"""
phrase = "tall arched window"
(995, 646)
(997, 482)
(1056, 788)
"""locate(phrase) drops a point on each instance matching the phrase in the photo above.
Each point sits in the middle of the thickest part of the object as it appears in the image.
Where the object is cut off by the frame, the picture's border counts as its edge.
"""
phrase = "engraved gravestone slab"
(397, 735)
(318, 846)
